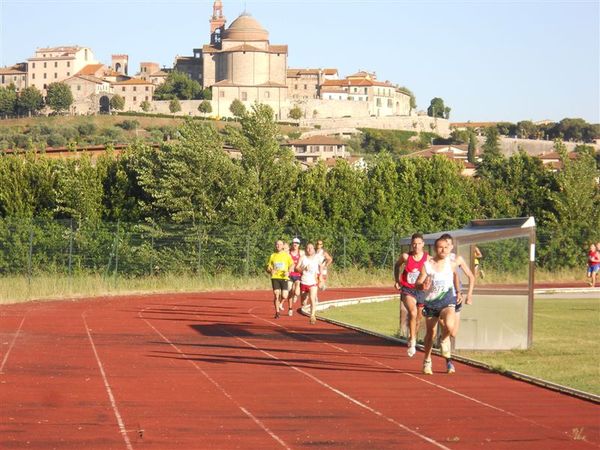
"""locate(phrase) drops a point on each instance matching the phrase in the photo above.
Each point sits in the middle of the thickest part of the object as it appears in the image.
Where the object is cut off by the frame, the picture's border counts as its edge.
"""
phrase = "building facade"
(56, 64)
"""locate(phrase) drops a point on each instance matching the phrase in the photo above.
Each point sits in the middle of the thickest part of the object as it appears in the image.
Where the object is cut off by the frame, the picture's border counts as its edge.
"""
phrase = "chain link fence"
(34, 247)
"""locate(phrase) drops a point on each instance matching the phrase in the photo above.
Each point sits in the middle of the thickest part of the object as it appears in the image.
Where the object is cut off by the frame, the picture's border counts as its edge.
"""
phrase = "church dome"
(246, 28)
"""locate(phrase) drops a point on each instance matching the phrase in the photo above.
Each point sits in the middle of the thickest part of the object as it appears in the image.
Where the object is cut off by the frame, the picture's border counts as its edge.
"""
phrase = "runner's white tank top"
(310, 269)
(441, 282)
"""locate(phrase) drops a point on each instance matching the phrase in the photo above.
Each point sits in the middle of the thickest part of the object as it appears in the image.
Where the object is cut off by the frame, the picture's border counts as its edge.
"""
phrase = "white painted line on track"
(341, 394)
(12, 344)
(108, 388)
(452, 391)
(219, 387)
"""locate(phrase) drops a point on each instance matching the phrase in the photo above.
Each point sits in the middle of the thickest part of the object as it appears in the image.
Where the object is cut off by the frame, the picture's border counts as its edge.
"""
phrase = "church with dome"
(240, 63)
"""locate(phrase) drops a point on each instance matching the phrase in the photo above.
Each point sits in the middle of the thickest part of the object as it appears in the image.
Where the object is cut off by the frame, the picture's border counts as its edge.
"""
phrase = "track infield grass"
(566, 333)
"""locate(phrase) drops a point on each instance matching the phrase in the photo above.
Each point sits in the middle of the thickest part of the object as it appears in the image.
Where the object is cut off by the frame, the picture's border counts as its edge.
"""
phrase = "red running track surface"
(216, 371)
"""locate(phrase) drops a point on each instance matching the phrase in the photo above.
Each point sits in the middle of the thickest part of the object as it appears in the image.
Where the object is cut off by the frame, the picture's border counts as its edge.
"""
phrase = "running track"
(215, 371)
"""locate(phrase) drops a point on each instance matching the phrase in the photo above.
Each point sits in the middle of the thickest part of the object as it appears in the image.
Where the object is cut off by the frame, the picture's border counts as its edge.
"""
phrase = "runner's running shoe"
(446, 348)
(450, 367)
(427, 370)
(411, 351)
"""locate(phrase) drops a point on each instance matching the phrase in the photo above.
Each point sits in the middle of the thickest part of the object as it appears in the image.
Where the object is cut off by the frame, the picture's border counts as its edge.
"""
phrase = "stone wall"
(408, 123)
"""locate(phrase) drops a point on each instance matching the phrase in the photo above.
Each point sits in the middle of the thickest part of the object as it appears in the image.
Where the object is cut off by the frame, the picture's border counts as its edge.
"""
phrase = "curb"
(472, 362)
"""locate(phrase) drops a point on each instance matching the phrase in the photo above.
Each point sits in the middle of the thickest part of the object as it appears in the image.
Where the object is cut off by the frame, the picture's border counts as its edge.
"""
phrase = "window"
(378, 102)
(123, 88)
(244, 96)
(306, 86)
(33, 65)
(221, 94)
(390, 103)
(55, 63)
(68, 63)
(44, 75)
(134, 98)
(267, 94)
(147, 88)
(296, 86)
(365, 90)
(33, 76)
(68, 74)
(134, 88)
(44, 64)
(146, 98)
(55, 75)
(78, 87)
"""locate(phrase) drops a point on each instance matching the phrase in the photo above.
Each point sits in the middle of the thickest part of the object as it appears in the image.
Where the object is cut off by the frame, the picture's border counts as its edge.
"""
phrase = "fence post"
(248, 256)
(151, 255)
(116, 253)
(71, 250)
(199, 268)
(30, 256)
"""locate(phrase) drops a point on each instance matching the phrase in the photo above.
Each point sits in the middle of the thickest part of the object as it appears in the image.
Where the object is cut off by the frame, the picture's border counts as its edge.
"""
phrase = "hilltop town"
(238, 62)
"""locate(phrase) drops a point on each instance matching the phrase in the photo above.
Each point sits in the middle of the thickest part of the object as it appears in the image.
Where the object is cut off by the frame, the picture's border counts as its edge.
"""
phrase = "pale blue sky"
(488, 60)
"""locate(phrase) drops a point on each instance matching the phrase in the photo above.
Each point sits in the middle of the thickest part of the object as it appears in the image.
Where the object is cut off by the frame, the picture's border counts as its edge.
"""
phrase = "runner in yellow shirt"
(280, 265)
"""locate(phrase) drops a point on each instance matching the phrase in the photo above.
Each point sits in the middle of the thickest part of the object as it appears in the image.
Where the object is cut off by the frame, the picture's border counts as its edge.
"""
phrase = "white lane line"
(452, 391)
(108, 388)
(12, 344)
(219, 387)
(341, 394)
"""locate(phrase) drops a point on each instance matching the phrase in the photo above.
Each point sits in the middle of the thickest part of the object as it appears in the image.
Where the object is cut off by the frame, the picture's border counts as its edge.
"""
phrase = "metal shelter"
(501, 316)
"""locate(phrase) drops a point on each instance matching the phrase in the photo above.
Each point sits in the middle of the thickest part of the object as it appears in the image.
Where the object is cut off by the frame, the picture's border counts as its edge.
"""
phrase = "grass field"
(566, 332)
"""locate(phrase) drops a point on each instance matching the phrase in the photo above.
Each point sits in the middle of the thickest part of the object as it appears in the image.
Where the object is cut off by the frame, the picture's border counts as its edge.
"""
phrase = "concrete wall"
(408, 123)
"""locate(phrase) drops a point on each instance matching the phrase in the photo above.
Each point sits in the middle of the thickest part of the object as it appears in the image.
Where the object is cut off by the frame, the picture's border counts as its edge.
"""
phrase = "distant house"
(455, 152)
(134, 91)
(317, 148)
(14, 75)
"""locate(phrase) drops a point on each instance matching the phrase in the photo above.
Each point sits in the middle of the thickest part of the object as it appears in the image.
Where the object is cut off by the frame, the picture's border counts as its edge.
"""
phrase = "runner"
(310, 266)
(326, 260)
(411, 298)
(477, 256)
(593, 264)
(279, 265)
(296, 254)
(462, 266)
(438, 279)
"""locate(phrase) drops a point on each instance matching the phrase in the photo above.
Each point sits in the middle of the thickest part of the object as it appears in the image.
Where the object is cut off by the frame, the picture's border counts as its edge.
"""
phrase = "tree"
(145, 105)
(413, 100)
(205, 107)
(438, 109)
(59, 97)
(179, 85)
(295, 113)
(472, 149)
(174, 106)
(237, 108)
(30, 101)
(491, 156)
(117, 102)
(8, 101)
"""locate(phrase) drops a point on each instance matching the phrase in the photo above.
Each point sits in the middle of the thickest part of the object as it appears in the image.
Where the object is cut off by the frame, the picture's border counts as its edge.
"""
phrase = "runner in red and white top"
(296, 254)
(310, 265)
(411, 297)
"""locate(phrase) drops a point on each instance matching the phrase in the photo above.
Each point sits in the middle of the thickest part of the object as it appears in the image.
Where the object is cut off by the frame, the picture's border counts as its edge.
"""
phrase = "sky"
(489, 60)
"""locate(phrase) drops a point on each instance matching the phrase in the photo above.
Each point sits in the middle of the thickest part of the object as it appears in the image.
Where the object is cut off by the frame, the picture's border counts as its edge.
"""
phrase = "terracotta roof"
(228, 83)
(12, 71)
(90, 69)
(90, 78)
(316, 140)
(65, 49)
(330, 71)
(133, 81)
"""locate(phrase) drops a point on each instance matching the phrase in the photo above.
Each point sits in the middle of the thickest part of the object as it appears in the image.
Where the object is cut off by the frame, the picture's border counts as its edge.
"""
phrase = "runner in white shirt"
(310, 266)
(326, 261)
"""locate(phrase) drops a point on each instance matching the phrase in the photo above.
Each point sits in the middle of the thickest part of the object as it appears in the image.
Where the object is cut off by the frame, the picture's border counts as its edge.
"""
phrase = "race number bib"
(412, 277)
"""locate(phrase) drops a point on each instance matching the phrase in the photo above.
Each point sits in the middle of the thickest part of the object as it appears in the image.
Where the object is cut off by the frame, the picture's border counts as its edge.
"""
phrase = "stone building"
(14, 75)
(306, 83)
(241, 63)
(56, 64)
(134, 91)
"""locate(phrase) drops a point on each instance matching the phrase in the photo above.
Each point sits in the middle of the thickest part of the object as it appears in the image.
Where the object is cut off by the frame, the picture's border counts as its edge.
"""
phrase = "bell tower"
(217, 22)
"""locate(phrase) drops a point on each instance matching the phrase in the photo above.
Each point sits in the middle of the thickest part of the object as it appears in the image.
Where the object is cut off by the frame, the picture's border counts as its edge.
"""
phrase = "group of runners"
(297, 273)
(430, 287)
